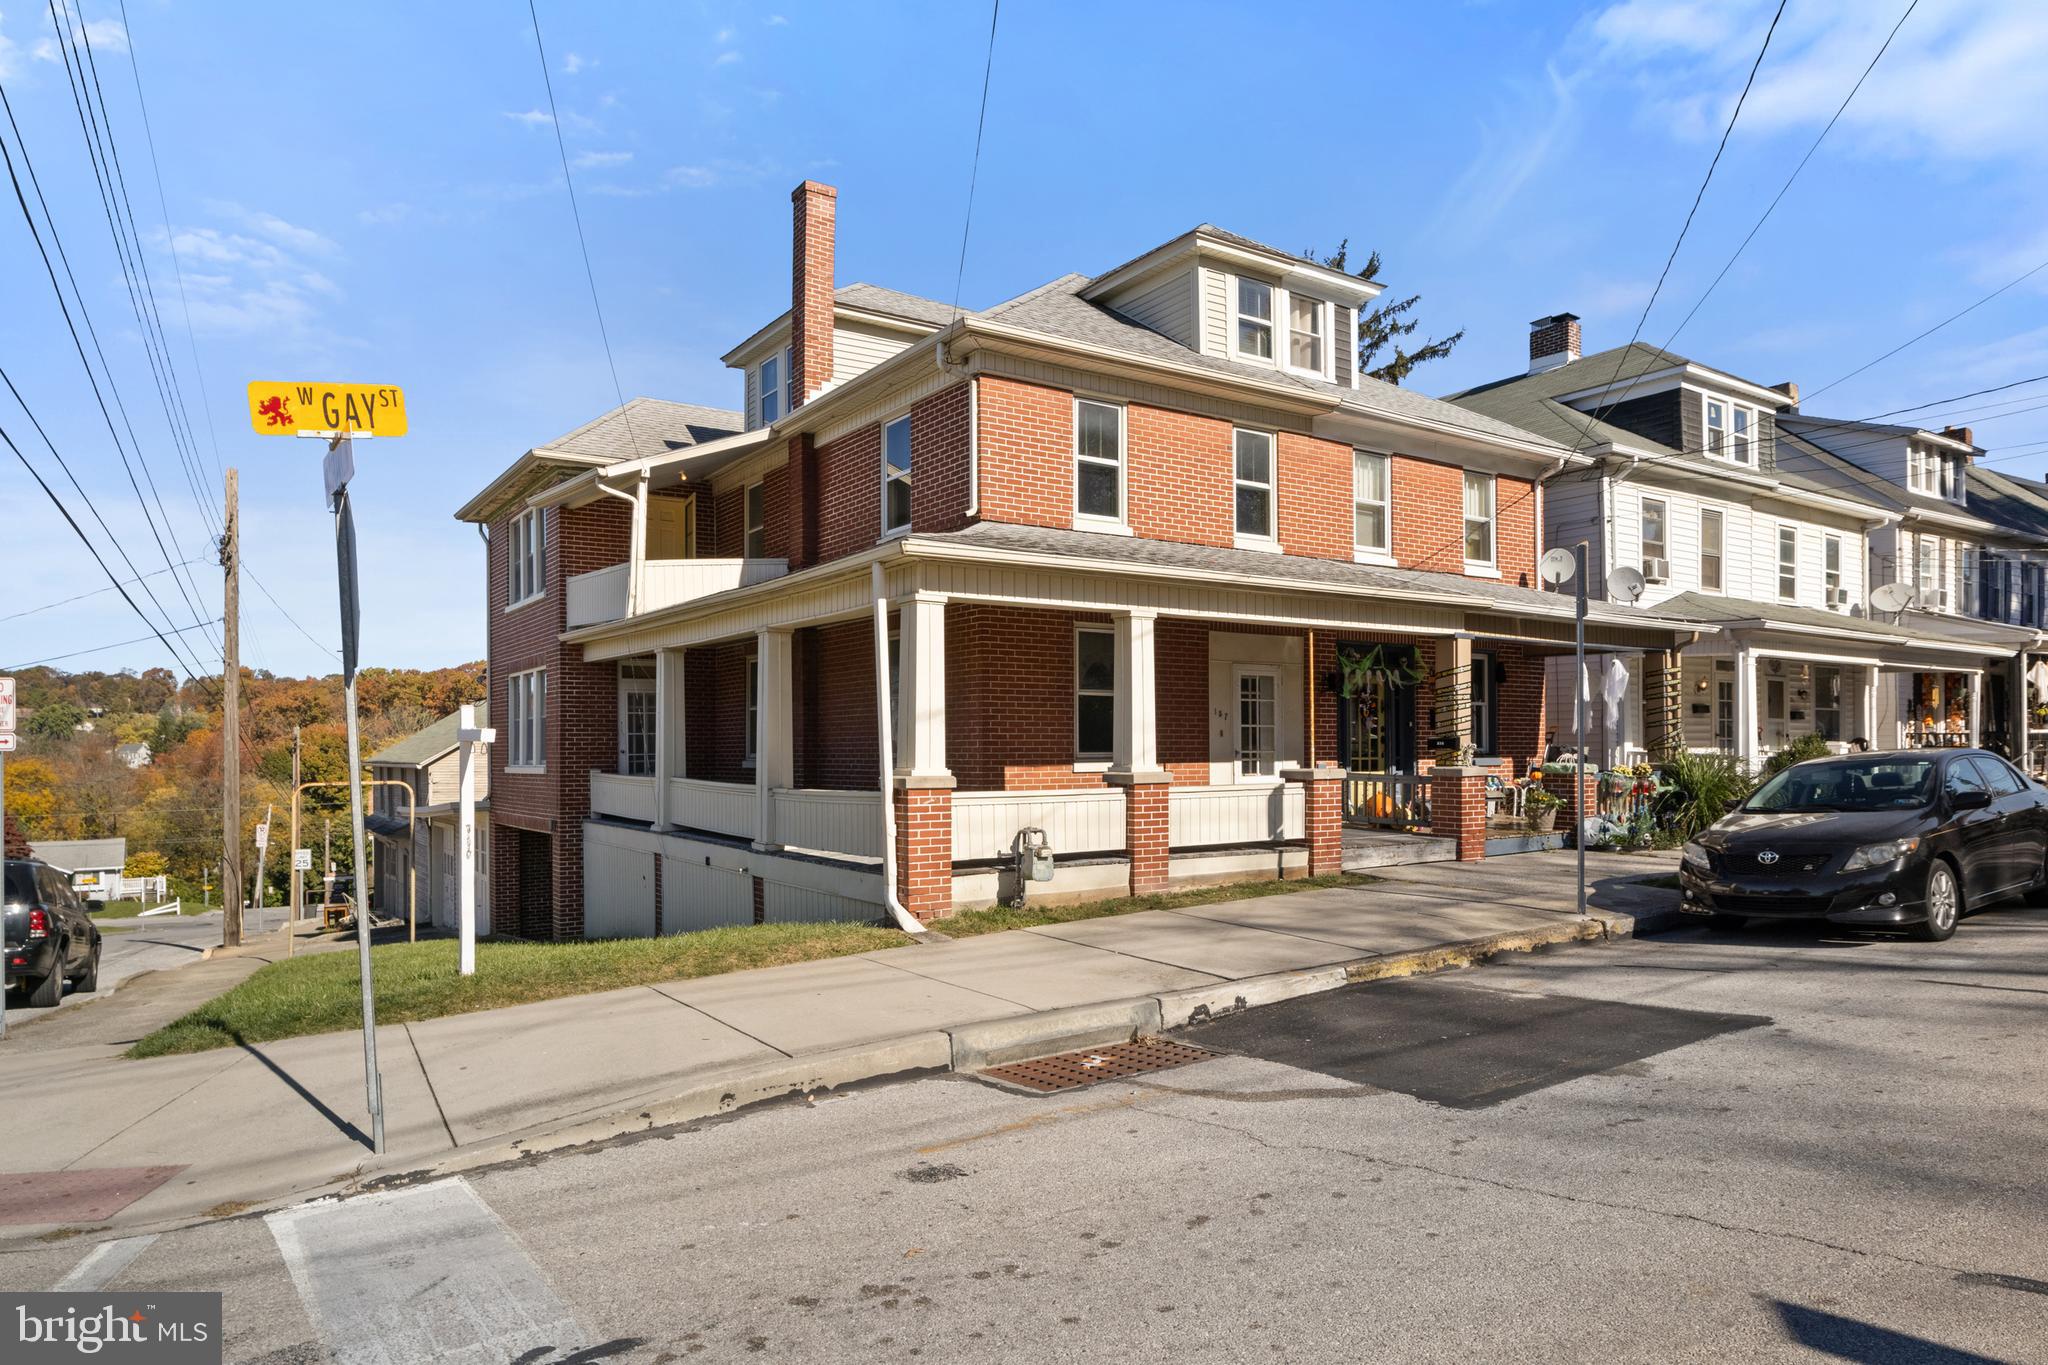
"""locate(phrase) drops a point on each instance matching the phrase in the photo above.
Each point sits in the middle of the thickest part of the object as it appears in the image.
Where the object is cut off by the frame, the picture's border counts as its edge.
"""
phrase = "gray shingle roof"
(1845, 478)
(1163, 554)
(646, 426)
(873, 298)
(1915, 628)
(424, 746)
(2005, 500)
(81, 855)
(1530, 401)
(1058, 310)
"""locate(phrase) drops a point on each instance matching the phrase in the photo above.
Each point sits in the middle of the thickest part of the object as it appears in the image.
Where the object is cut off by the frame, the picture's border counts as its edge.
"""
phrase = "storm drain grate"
(1090, 1066)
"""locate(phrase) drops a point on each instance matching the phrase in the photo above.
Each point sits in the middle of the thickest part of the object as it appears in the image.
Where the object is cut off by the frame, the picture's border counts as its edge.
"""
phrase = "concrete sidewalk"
(262, 1123)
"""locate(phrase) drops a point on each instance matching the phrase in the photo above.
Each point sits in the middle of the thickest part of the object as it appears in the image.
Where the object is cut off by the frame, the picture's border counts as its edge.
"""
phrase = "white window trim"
(1778, 561)
(1726, 453)
(761, 389)
(528, 533)
(891, 475)
(1325, 321)
(629, 686)
(1489, 567)
(1663, 507)
(750, 712)
(1372, 554)
(1252, 540)
(520, 709)
(1830, 541)
(1273, 324)
(1720, 550)
(1090, 521)
(1238, 776)
(1087, 760)
(747, 528)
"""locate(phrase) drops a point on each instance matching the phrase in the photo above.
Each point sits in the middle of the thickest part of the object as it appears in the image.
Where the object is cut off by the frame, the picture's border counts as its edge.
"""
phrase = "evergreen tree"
(1382, 330)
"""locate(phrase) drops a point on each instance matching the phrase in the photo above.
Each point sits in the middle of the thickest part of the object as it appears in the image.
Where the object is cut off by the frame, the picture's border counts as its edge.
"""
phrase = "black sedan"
(1909, 840)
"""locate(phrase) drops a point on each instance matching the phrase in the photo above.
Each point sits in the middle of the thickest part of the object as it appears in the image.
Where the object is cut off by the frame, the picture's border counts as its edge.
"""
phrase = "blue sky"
(372, 192)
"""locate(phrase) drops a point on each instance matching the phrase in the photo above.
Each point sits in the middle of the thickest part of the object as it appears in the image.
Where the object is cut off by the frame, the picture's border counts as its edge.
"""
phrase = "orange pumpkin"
(1379, 806)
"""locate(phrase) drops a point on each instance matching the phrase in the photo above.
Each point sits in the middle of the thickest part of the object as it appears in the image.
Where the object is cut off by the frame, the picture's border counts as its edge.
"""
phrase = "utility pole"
(297, 883)
(231, 730)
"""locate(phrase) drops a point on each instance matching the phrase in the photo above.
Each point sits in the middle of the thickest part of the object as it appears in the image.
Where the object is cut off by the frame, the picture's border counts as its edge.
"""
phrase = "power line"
(171, 242)
(101, 649)
(67, 601)
(555, 121)
(1782, 189)
(1974, 393)
(282, 612)
(1914, 340)
(974, 173)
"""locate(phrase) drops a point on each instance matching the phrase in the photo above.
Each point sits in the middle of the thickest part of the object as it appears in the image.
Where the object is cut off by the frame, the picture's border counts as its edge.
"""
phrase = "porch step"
(1363, 849)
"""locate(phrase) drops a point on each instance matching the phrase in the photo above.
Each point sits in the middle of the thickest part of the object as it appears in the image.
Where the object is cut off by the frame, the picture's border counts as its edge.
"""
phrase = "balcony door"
(671, 528)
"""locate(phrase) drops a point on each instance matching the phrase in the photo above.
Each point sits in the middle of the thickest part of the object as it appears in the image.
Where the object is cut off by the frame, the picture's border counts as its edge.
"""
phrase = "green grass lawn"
(321, 993)
(129, 910)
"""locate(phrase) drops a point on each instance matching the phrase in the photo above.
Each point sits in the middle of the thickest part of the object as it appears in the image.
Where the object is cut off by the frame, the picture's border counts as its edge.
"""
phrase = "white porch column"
(1976, 706)
(921, 687)
(636, 570)
(1872, 680)
(774, 744)
(1136, 755)
(668, 729)
(1747, 745)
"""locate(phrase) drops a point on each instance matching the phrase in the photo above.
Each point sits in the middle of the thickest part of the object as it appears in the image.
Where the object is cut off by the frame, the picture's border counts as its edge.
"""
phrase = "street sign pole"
(1582, 692)
(469, 739)
(6, 743)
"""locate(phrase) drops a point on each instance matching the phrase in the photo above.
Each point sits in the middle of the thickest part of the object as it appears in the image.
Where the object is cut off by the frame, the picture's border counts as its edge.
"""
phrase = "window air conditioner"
(1657, 569)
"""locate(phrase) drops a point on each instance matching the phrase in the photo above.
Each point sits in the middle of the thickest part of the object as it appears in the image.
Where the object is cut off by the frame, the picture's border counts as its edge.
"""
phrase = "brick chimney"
(1962, 434)
(1791, 391)
(814, 215)
(1553, 341)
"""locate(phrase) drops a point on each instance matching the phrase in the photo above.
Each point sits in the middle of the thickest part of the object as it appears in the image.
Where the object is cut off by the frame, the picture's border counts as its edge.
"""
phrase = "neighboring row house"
(415, 823)
(1134, 563)
(1781, 531)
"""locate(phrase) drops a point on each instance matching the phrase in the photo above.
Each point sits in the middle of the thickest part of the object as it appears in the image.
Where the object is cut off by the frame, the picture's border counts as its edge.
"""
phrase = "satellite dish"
(1626, 585)
(1891, 597)
(1557, 566)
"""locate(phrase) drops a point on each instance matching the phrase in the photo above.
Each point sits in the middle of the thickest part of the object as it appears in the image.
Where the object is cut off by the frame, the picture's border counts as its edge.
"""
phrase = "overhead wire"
(974, 172)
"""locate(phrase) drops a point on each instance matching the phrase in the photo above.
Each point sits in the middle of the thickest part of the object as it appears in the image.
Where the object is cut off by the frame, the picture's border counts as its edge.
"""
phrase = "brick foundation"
(924, 850)
(1457, 800)
(1323, 818)
(1145, 835)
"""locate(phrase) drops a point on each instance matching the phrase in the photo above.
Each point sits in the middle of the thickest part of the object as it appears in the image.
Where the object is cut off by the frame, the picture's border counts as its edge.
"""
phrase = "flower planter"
(1543, 821)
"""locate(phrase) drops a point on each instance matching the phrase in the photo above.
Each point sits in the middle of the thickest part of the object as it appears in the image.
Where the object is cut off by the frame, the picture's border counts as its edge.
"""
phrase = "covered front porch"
(1141, 734)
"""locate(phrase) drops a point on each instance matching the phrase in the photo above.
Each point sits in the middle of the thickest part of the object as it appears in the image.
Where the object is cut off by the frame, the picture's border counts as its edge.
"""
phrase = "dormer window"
(1731, 431)
(1254, 318)
(771, 390)
(1934, 472)
(1305, 331)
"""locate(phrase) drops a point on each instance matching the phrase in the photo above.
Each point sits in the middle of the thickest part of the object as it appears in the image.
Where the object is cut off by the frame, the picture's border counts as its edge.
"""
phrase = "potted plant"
(1541, 805)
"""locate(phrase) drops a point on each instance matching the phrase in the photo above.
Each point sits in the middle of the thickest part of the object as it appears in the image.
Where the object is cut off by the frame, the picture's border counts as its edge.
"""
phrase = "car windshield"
(1891, 782)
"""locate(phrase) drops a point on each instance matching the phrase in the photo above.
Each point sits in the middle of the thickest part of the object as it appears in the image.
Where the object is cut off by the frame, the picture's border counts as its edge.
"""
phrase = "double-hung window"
(1717, 427)
(636, 717)
(1928, 576)
(1306, 328)
(1656, 543)
(1788, 562)
(754, 509)
(771, 379)
(1094, 692)
(1479, 508)
(1098, 462)
(527, 705)
(896, 476)
(1371, 516)
(1711, 524)
(1254, 318)
(527, 555)
(1742, 417)
(1254, 484)
(1731, 430)
(1831, 571)
(1966, 591)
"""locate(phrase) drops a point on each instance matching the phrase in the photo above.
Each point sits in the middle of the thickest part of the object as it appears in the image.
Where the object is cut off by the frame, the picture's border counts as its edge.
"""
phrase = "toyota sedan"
(1909, 840)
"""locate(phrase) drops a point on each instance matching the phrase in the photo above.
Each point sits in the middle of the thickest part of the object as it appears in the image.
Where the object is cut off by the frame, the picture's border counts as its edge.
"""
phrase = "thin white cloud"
(384, 215)
(532, 118)
(103, 35)
(259, 282)
(777, 20)
(575, 62)
(584, 161)
(1518, 144)
(727, 58)
(9, 60)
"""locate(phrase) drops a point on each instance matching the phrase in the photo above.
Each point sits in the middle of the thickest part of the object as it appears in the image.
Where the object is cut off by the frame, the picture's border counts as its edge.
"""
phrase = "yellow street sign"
(280, 409)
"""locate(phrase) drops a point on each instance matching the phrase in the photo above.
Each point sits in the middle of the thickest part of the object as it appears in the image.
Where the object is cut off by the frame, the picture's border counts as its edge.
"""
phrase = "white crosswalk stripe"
(426, 1274)
(103, 1263)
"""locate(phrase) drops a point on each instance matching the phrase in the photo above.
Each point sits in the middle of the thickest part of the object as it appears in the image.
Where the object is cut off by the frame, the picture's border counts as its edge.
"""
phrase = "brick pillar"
(1322, 818)
(1577, 809)
(1145, 835)
(1457, 809)
(924, 849)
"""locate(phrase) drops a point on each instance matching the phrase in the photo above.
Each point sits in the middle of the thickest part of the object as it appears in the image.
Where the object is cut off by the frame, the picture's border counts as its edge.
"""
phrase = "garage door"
(618, 892)
(694, 896)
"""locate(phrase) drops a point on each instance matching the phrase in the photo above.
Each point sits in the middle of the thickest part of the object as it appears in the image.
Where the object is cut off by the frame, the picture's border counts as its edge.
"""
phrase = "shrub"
(1798, 751)
(1700, 789)
(1541, 799)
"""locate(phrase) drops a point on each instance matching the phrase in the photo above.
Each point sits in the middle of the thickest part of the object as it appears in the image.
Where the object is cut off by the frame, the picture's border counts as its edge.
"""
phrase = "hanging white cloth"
(1613, 687)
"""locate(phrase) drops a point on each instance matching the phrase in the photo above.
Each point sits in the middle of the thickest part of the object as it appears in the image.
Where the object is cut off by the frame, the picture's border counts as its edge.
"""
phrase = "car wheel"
(89, 979)
(46, 992)
(1944, 905)
(1726, 924)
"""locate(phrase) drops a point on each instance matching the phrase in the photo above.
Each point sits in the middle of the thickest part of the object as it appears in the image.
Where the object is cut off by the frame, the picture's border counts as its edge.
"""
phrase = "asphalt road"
(1788, 1145)
(154, 944)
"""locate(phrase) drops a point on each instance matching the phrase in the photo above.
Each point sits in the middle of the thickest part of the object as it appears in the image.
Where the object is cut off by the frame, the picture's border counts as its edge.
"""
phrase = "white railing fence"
(829, 821)
(985, 824)
(720, 807)
(1201, 817)
(627, 798)
(600, 595)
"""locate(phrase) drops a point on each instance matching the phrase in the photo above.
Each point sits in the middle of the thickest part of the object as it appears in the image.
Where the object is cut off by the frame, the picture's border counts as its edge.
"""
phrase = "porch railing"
(985, 824)
(1397, 801)
(600, 595)
(1201, 817)
(720, 807)
(829, 821)
(627, 798)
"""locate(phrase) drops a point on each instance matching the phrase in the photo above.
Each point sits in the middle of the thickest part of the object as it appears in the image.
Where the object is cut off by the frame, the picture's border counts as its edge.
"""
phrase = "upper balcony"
(604, 594)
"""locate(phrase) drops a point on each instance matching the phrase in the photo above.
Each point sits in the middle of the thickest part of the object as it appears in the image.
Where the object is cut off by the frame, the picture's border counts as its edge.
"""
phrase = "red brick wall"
(725, 535)
(924, 851)
(834, 697)
(826, 500)
(1314, 496)
(715, 731)
(1180, 473)
(938, 459)
(1429, 520)
(781, 524)
(850, 491)
(1027, 433)
(814, 220)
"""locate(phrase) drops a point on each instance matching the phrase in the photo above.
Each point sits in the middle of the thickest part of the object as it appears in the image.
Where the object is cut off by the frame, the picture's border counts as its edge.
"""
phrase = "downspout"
(885, 734)
(633, 559)
(973, 429)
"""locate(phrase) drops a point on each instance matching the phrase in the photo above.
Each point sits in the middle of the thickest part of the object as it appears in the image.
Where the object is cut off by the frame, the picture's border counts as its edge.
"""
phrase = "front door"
(671, 528)
(1776, 731)
(1376, 727)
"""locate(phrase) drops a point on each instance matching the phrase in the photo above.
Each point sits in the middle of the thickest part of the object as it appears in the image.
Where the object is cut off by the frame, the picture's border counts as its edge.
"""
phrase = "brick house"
(1104, 555)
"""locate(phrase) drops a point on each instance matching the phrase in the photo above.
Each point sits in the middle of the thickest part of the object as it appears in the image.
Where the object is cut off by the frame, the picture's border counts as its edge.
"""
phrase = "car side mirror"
(1969, 800)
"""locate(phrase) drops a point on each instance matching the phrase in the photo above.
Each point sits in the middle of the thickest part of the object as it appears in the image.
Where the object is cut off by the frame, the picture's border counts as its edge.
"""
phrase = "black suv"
(49, 939)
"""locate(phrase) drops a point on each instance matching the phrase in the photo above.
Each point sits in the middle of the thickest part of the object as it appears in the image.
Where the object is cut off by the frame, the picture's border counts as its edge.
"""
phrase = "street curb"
(996, 1041)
